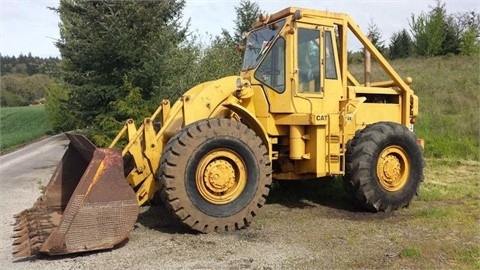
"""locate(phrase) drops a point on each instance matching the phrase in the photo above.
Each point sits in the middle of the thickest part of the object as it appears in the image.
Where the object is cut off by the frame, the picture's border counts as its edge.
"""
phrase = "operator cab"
(294, 61)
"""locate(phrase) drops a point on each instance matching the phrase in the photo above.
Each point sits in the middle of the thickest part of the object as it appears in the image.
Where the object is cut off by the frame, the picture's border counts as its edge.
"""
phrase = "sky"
(28, 26)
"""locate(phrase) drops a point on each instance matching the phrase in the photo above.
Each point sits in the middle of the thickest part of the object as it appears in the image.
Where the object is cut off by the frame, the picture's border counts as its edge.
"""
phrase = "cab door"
(308, 81)
(317, 86)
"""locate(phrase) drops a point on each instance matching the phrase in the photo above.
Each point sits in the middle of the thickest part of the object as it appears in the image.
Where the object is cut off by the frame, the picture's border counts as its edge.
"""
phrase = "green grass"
(19, 125)
(451, 179)
(411, 253)
(448, 90)
(445, 215)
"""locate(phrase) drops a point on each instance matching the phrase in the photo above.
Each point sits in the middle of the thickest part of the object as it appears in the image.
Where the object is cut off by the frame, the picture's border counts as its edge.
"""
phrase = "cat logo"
(320, 119)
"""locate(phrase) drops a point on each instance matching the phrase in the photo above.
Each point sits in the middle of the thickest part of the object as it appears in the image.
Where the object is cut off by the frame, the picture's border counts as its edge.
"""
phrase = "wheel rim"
(221, 176)
(393, 168)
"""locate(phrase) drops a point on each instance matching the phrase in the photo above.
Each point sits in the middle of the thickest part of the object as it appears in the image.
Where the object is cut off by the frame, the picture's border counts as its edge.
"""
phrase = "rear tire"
(384, 167)
(215, 174)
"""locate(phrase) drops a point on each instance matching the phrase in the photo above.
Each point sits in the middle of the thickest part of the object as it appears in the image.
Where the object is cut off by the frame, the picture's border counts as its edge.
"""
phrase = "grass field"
(19, 125)
(448, 90)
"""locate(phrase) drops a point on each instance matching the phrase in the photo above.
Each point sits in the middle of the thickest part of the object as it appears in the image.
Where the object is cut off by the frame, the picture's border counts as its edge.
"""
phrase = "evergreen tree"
(247, 13)
(374, 32)
(400, 45)
(469, 28)
(113, 47)
(436, 32)
(221, 58)
(27, 65)
(428, 34)
(451, 41)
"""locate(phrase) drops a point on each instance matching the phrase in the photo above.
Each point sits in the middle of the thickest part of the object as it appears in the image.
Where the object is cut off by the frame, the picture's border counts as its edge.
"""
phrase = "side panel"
(370, 113)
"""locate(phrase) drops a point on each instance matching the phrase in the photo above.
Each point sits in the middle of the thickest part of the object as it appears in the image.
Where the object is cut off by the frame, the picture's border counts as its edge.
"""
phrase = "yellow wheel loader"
(295, 112)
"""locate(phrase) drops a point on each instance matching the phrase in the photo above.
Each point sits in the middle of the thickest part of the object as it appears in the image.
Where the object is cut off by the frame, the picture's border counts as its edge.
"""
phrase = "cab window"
(330, 68)
(271, 71)
(308, 46)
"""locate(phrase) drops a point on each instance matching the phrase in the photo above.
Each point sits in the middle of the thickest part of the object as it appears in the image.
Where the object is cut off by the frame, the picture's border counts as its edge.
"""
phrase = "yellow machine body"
(314, 126)
(296, 94)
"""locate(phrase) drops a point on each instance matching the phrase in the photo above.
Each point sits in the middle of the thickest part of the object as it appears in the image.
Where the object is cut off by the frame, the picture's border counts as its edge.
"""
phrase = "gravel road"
(303, 232)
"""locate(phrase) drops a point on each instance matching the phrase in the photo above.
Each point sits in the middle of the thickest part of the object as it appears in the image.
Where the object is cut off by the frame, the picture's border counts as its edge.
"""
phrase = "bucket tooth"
(29, 244)
(20, 227)
(20, 253)
(20, 233)
(20, 248)
(25, 212)
(27, 250)
(21, 239)
(31, 227)
(39, 224)
(41, 232)
(37, 240)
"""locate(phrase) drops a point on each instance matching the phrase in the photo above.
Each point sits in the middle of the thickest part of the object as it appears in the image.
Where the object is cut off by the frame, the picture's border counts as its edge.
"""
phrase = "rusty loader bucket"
(87, 205)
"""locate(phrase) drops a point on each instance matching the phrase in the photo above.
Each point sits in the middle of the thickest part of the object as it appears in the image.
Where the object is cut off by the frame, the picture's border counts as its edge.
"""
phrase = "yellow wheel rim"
(393, 168)
(221, 176)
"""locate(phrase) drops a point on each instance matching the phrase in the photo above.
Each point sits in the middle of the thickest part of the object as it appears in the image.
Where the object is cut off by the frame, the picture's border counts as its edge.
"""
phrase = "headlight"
(238, 83)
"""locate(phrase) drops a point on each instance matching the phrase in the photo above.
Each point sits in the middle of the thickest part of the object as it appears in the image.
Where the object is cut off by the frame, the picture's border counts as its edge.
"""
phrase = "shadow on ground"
(327, 192)
(158, 217)
(302, 193)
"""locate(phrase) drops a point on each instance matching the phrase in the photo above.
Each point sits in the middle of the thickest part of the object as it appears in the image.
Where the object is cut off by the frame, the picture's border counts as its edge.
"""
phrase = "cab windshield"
(259, 42)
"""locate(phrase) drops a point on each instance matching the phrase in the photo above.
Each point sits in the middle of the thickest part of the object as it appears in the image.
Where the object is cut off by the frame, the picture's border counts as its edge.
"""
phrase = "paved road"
(22, 174)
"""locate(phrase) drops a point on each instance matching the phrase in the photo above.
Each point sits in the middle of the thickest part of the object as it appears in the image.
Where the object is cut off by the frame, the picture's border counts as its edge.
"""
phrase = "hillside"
(448, 88)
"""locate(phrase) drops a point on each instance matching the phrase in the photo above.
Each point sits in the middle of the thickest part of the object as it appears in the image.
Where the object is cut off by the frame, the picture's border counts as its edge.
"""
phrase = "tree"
(469, 27)
(428, 34)
(28, 65)
(111, 47)
(469, 43)
(400, 45)
(221, 58)
(468, 20)
(374, 32)
(247, 13)
(56, 105)
(435, 32)
(451, 42)
(21, 90)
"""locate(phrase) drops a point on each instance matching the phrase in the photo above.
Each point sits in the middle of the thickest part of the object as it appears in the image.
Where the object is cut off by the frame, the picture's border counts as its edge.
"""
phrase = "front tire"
(384, 167)
(215, 174)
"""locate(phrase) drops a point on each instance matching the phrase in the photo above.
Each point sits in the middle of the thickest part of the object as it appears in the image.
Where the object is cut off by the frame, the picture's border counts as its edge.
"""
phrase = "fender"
(200, 101)
(252, 122)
